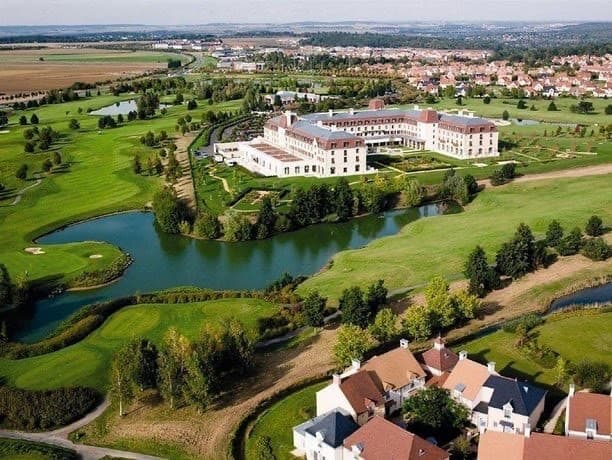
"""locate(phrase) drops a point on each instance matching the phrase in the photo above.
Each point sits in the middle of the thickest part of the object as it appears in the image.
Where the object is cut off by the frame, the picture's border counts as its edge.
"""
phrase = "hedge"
(10, 448)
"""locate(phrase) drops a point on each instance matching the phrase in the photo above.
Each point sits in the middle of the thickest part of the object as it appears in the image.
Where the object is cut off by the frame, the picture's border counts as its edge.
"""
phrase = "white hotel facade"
(336, 143)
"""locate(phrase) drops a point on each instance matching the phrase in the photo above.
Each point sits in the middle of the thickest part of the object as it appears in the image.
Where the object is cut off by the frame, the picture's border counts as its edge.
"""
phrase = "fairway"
(87, 362)
(574, 337)
(441, 244)
(99, 180)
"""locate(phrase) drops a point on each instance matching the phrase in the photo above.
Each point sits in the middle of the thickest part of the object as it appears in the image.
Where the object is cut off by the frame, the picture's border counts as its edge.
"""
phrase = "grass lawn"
(90, 56)
(99, 180)
(440, 245)
(86, 363)
(573, 336)
(277, 421)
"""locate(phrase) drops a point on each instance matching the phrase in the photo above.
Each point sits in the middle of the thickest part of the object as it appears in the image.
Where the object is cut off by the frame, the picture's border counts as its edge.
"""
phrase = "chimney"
(463, 355)
(320, 437)
(416, 107)
(351, 111)
(404, 343)
(357, 449)
(289, 117)
(527, 430)
(438, 343)
(356, 364)
(330, 113)
(572, 390)
(336, 379)
(491, 367)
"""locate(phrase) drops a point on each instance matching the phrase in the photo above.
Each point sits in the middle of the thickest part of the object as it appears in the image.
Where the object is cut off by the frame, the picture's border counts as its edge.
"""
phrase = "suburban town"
(326, 232)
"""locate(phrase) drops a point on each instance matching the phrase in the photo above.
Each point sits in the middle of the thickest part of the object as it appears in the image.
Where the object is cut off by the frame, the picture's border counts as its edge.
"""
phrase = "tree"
(122, 385)
(572, 243)
(482, 277)
(34, 119)
(592, 375)
(22, 172)
(471, 184)
(207, 226)
(57, 158)
(351, 343)
(486, 100)
(144, 368)
(344, 199)
(608, 109)
(596, 249)
(373, 199)
(354, 308)
(169, 210)
(198, 386)
(508, 171)
(376, 296)
(552, 107)
(136, 165)
(29, 147)
(521, 104)
(192, 105)
(263, 449)
(23, 120)
(417, 323)
(172, 362)
(462, 449)
(47, 165)
(74, 124)
(554, 234)
(6, 287)
(517, 257)
(432, 410)
(3, 118)
(314, 309)
(594, 226)
(505, 115)
(585, 107)
(266, 219)
(456, 188)
(384, 328)
(411, 189)
(561, 372)
(158, 166)
(237, 227)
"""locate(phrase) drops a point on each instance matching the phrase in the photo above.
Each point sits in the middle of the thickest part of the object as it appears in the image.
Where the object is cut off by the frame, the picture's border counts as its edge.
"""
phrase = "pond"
(162, 261)
(123, 108)
(594, 295)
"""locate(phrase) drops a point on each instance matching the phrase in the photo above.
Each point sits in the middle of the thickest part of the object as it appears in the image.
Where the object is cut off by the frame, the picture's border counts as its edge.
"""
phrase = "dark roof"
(523, 396)
(335, 428)
(464, 121)
(317, 131)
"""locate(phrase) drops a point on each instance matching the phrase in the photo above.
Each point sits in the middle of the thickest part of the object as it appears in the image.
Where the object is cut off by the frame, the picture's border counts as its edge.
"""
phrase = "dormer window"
(508, 410)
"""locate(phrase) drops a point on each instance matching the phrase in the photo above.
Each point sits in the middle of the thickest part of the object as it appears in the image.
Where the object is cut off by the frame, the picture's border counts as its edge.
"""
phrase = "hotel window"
(356, 168)
(333, 161)
(306, 169)
(332, 170)
(346, 159)
(286, 170)
(343, 169)
(507, 412)
(356, 150)
(297, 169)
(357, 158)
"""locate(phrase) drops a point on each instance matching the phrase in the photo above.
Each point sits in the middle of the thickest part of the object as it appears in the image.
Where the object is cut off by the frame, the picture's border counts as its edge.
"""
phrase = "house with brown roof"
(495, 445)
(355, 393)
(588, 415)
(397, 373)
(380, 439)
(439, 359)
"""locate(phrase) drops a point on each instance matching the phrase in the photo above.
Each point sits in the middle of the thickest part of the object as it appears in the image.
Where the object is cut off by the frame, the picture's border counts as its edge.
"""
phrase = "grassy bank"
(86, 363)
(440, 245)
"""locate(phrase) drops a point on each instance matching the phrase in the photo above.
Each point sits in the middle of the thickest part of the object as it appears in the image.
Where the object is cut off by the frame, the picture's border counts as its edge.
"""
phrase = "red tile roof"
(361, 391)
(380, 439)
(583, 406)
(439, 357)
(394, 369)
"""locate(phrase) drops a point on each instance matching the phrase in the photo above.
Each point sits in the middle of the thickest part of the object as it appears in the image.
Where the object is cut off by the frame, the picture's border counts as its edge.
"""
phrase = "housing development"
(336, 143)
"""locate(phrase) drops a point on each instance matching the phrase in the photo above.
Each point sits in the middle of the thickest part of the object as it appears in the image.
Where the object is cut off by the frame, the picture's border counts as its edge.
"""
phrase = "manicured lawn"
(86, 363)
(574, 337)
(99, 180)
(278, 420)
(440, 245)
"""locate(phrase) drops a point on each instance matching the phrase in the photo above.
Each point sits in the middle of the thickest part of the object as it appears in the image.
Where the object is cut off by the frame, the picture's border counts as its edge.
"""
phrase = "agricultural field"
(96, 177)
(440, 245)
(48, 68)
(87, 362)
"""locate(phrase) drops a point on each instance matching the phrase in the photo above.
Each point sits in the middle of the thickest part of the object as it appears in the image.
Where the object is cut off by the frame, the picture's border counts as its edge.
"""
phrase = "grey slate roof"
(317, 131)
(524, 397)
(463, 121)
(361, 114)
(335, 427)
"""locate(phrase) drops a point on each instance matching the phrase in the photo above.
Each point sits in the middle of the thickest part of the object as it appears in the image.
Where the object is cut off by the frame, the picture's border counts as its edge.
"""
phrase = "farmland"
(49, 68)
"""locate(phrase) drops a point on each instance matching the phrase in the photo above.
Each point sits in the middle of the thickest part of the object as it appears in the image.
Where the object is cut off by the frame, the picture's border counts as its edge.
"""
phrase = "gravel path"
(22, 191)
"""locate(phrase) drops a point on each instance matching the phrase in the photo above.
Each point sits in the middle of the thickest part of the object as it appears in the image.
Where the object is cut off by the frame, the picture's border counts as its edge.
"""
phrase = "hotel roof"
(275, 152)
(312, 130)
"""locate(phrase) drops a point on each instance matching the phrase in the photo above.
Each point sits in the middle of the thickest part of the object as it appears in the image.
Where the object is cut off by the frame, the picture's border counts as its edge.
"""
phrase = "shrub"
(497, 178)
(593, 375)
(596, 249)
(528, 322)
(571, 244)
(207, 226)
(22, 172)
(34, 410)
(594, 226)
(554, 234)
(16, 448)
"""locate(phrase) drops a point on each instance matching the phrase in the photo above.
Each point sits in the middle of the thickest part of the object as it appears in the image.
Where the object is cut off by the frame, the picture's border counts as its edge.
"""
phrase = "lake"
(121, 108)
(589, 296)
(162, 261)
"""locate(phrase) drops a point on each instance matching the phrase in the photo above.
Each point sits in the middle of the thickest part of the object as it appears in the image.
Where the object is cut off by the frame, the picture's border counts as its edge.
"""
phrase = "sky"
(169, 12)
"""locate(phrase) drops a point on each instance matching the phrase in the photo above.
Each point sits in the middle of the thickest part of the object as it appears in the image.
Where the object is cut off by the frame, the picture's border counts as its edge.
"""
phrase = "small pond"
(594, 295)
(162, 261)
(121, 108)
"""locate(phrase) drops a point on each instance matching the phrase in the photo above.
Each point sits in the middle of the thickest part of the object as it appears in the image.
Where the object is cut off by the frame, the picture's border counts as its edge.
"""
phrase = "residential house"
(588, 415)
(322, 437)
(356, 393)
(439, 359)
(496, 403)
(539, 446)
(397, 373)
(380, 439)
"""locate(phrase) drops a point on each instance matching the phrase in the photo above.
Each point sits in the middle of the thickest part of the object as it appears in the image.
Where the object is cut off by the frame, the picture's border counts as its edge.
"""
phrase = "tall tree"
(594, 226)
(384, 328)
(554, 234)
(352, 342)
(376, 296)
(354, 308)
(172, 362)
(122, 383)
(482, 277)
(266, 219)
(434, 409)
(6, 287)
(344, 199)
(314, 309)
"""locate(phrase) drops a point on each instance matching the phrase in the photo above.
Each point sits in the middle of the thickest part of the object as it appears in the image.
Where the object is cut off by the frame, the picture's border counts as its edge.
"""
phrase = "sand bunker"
(35, 251)
(96, 256)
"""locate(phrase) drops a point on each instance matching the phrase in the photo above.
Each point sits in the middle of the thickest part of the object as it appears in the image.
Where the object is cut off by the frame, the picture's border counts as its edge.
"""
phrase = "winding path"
(59, 438)
(22, 191)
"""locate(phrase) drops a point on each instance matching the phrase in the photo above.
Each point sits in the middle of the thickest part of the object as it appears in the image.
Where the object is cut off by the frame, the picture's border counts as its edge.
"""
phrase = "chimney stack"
(463, 355)
(289, 117)
(356, 364)
(572, 390)
(527, 430)
(351, 111)
(336, 379)
(439, 343)
(404, 343)
(491, 367)
(330, 113)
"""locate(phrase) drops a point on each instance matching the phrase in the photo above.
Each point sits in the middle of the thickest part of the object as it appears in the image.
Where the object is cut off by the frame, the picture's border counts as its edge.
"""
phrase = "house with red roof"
(588, 415)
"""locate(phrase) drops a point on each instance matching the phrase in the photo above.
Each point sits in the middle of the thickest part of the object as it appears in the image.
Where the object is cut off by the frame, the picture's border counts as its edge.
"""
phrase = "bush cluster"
(16, 448)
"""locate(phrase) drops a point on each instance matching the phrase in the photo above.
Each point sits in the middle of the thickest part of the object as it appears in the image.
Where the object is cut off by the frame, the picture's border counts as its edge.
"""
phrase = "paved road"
(60, 438)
